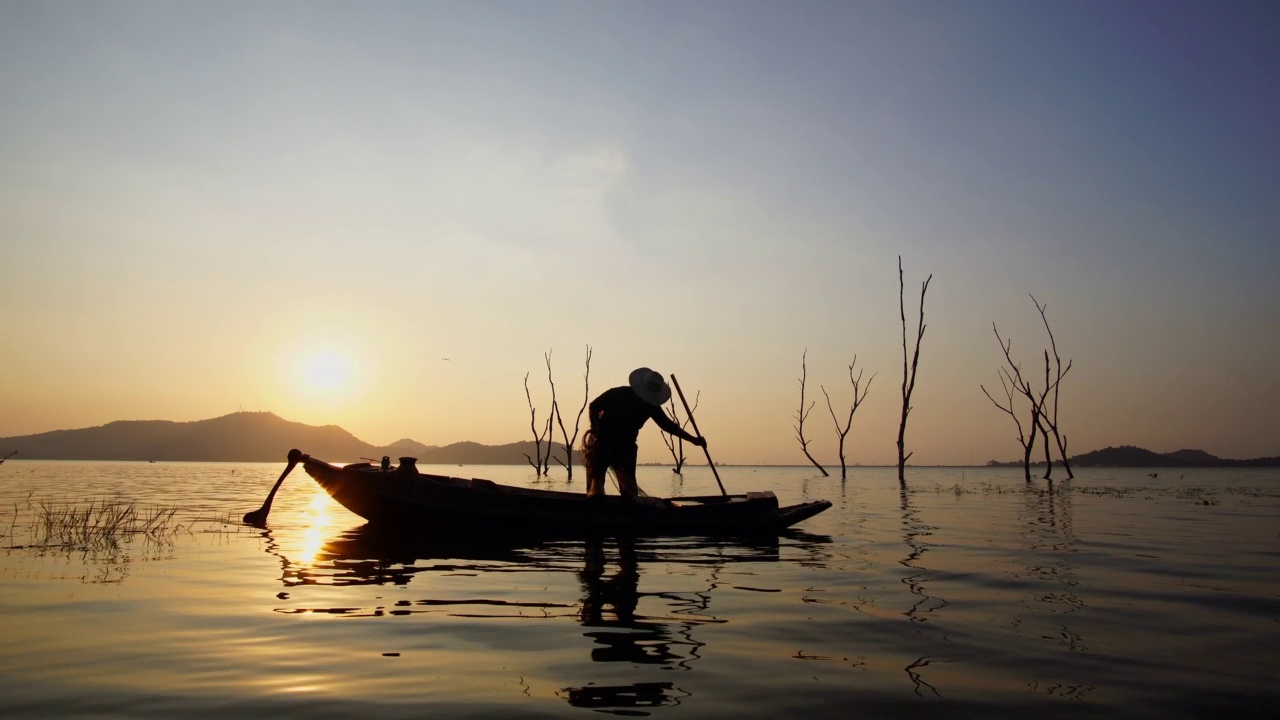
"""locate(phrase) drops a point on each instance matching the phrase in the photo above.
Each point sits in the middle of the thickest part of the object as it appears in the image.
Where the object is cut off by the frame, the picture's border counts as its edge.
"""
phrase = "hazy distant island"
(1130, 456)
(266, 437)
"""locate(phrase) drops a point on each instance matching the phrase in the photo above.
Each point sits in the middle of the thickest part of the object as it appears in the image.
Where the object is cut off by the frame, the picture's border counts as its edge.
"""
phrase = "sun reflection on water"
(316, 520)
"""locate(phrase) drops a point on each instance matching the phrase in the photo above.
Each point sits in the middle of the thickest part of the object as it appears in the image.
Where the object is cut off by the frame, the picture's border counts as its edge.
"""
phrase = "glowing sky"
(381, 215)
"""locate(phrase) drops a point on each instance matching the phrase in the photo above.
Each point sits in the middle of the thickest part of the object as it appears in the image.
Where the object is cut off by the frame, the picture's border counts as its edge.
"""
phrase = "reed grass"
(106, 536)
(99, 524)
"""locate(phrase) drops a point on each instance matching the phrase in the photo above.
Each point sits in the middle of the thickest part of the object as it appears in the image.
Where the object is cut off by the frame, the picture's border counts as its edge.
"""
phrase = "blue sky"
(197, 198)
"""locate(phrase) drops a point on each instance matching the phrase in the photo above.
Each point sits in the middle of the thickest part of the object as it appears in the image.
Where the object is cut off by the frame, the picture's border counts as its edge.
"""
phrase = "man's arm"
(669, 426)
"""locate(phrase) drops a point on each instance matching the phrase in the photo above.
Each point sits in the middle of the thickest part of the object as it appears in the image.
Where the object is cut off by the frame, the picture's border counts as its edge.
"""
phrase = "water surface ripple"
(966, 593)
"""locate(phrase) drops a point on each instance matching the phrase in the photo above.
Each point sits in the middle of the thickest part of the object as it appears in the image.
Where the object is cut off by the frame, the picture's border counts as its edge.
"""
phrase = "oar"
(694, 423)
(259, 517)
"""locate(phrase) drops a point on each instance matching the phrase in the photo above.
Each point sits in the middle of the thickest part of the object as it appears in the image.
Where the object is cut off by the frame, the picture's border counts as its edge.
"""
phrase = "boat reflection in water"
(607, 605)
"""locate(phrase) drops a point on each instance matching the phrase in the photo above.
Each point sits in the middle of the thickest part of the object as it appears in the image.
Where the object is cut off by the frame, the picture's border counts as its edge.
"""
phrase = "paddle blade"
(258, 518)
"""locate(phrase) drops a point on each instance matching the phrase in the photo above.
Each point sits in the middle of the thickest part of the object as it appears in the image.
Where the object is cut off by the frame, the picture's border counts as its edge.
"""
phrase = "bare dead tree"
(1011, 376)
(1051, 414)
(859, 394)
(538, 463)
(803, 413)
(571, 440)
(908, 372)
(674, 444)
(1043, 403)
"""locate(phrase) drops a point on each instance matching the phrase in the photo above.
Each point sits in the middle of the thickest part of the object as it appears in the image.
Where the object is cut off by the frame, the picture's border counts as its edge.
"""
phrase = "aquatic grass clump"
(1201, 496)
(960, 488)
(101, 524)
(104, 536)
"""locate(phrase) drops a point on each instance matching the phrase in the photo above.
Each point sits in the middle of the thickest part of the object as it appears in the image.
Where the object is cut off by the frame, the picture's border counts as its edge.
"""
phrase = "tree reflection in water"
(914, 530)
(1049, 572)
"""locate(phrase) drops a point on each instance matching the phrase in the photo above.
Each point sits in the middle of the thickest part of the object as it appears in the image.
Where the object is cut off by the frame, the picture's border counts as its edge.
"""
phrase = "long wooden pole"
(694, 423)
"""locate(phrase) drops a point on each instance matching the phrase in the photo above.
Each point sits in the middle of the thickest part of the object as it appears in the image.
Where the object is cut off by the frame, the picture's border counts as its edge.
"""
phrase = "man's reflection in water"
(609, 605)
(619, 592)
(609, 602)
(636, 695)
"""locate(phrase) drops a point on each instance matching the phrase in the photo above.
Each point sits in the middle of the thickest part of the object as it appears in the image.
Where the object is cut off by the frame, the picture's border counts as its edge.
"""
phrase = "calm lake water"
(970, 594)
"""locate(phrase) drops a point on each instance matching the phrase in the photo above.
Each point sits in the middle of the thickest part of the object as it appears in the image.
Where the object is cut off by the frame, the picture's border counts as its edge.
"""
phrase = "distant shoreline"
(257, 437)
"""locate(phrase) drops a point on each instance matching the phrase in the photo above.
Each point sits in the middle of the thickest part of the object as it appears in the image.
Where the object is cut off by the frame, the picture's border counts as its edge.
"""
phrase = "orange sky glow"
(383, 220)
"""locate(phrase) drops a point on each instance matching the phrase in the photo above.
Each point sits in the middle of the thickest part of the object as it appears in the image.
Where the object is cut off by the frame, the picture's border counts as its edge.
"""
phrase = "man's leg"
(595, 482)
(625, 468)
(595, 464)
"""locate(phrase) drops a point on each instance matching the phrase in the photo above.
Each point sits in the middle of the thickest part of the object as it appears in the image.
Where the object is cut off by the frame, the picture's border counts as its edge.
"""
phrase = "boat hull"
(406, 498)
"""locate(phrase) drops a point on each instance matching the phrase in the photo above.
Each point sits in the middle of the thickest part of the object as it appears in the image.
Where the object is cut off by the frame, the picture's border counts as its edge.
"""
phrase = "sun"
(326, 371)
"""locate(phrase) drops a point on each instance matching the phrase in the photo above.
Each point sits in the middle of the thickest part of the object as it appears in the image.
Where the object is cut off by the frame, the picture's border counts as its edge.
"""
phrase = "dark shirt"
(618, 414)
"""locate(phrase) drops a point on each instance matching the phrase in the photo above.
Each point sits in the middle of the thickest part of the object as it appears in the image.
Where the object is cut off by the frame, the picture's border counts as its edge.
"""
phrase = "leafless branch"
(803, 413)
(537, 462)
(1060, 372)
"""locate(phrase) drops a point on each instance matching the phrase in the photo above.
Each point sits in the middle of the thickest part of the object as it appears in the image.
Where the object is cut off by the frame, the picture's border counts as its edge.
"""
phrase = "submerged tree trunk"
(1041, 418)
(1026, 455)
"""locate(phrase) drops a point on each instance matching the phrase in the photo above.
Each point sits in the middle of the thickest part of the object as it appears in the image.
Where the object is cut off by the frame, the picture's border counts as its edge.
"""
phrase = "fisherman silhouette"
(616, 417)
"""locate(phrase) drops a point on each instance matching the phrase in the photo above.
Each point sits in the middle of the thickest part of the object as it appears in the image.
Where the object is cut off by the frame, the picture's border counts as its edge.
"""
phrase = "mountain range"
(248, 437)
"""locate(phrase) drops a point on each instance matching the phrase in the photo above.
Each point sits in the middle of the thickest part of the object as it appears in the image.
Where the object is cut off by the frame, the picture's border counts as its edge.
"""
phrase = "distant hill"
(1130, 456)
(407, 448)
(245, 437)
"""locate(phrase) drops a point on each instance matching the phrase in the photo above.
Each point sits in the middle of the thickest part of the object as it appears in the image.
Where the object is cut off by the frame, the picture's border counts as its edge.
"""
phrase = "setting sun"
(326, 371)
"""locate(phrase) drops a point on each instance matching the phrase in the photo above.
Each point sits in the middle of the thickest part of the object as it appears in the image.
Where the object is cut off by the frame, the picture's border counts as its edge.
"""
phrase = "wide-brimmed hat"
(650, 386)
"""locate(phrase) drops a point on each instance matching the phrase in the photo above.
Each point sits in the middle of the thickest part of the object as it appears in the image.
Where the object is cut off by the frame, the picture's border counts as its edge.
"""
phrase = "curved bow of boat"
(793, 514)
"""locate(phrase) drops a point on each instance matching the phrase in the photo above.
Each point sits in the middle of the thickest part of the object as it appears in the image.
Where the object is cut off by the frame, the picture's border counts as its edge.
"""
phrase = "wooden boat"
(403, 496)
